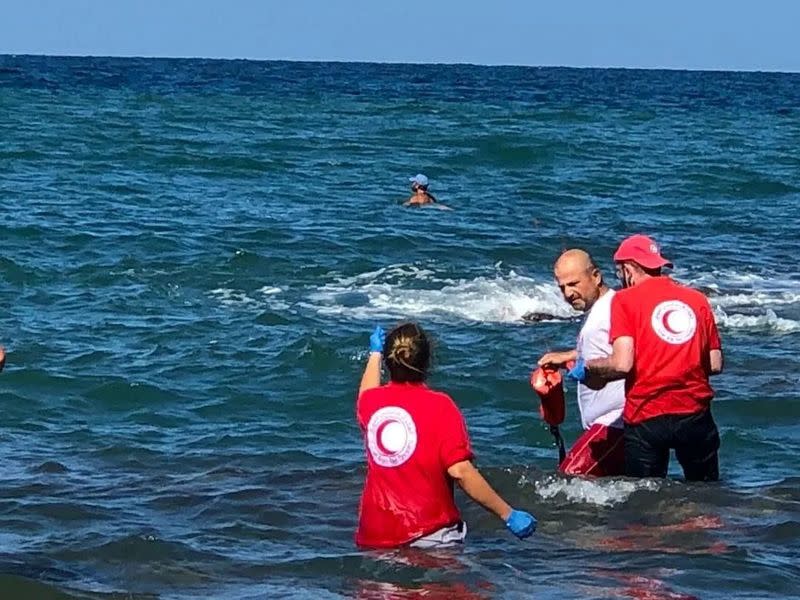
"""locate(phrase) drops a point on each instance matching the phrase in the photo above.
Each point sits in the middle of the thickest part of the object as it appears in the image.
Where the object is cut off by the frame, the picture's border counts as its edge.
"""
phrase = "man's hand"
(557, 359)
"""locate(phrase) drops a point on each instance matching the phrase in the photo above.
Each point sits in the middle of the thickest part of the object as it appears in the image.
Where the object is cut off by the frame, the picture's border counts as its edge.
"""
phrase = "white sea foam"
(600, 492)
(232, 298)
(768, 302)
(269, 290)
(767, 321)
(728, 277)
(742, 282)
(402, 290)
(741, 301)
(265, 297)
(756, 298)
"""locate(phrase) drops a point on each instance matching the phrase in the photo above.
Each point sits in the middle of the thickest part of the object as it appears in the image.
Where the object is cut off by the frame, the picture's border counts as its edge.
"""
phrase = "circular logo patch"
(391, 436)
(674, 322)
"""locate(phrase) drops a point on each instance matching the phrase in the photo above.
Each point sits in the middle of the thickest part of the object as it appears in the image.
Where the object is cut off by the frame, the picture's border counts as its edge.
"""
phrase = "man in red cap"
(665, 345)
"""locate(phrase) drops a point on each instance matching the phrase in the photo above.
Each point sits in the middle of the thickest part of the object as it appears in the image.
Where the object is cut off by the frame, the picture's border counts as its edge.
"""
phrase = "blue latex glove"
(377, 340)
(521, 524)
(578, 372)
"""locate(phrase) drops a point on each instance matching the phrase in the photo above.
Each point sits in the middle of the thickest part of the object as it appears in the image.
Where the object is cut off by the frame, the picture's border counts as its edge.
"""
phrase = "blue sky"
(699, 34)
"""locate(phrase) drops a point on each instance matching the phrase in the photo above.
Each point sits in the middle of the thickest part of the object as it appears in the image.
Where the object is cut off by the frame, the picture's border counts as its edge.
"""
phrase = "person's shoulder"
(600, 312)
(440, 394)
(604, 302)
(624, 295)
(696, 297)
(373, 395)
(687, 291)
(436, 397)
(628, 301)
(447, 405)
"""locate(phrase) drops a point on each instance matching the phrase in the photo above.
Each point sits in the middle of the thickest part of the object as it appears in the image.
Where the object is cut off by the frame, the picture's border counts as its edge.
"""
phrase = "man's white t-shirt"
(603, 406)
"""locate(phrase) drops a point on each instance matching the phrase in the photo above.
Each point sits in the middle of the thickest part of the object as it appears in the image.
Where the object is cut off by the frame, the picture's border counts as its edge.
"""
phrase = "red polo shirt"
(412, 435)
(673, 331)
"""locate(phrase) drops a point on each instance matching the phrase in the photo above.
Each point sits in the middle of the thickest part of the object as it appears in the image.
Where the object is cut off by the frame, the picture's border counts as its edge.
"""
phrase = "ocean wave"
(18, 586)
(750, 301)
(232, 298)
(757, 298)
(742, 280)
(264, 297)
(768, 321)
(407, 290)
(598, 492)
(741, 300)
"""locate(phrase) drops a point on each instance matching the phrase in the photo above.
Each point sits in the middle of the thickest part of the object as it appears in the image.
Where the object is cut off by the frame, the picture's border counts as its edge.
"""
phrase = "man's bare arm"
(617, 365)
(716, 360)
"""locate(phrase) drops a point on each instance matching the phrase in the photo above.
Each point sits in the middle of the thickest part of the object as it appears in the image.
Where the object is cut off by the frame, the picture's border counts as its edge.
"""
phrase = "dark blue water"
(194, 254)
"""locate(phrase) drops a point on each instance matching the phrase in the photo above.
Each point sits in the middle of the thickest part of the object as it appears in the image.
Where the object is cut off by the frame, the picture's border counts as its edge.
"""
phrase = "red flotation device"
(549, 386)
(547, 383)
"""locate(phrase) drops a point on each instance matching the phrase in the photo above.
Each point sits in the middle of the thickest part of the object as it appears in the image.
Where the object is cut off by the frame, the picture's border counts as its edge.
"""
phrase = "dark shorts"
(694, 438)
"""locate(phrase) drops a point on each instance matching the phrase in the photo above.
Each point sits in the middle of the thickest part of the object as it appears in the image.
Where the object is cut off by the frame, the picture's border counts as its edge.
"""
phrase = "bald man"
(600, 451)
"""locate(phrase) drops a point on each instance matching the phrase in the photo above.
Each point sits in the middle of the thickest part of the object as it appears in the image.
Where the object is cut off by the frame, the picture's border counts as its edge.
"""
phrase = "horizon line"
(399, 62)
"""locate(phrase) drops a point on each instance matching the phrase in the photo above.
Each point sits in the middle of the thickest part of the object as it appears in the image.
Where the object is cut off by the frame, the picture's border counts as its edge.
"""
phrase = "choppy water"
(194, 253)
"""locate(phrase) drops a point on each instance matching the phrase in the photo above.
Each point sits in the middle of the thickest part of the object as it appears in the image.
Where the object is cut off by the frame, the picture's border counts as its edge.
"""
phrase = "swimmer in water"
(419, 192)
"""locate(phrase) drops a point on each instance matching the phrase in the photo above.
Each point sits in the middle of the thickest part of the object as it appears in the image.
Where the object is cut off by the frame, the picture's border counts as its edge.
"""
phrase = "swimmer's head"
(407, 354)
(419, 181)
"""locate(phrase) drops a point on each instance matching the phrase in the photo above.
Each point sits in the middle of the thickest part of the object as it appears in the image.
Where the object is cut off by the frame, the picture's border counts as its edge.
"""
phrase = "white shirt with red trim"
(603, 406)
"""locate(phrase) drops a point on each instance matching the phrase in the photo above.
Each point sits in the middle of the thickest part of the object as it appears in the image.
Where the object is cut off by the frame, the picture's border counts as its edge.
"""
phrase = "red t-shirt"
(412, 435)
(673, 330)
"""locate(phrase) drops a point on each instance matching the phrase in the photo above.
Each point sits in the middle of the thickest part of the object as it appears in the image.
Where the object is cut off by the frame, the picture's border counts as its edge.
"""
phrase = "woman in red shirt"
(417, 445)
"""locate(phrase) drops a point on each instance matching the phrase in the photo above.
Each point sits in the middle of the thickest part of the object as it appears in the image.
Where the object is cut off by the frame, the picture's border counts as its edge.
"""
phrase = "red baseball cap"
(641, 250)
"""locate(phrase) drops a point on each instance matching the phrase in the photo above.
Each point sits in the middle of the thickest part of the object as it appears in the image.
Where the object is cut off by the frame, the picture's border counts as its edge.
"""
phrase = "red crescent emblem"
(379, 437)
(665, 322)
(391, 436)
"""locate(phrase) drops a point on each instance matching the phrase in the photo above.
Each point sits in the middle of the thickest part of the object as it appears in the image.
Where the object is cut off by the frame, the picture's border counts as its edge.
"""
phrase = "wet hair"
(407, 353)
